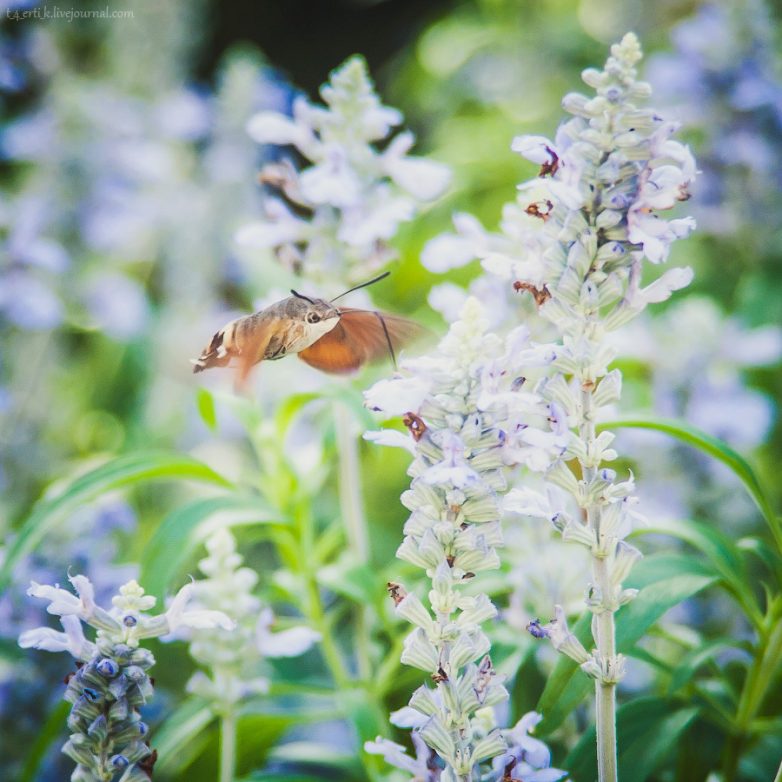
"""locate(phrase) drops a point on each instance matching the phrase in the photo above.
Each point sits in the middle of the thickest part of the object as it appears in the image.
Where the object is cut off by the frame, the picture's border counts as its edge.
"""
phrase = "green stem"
(351, 505)
(280, 488)
(759, 677)
(227, 746)
(350, 483)
(317, 616)
(760, 674)
(605, 632)
(605, 694)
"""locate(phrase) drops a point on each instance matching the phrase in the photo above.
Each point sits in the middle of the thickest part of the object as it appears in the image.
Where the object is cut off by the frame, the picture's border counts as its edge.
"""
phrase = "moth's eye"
(313, 317)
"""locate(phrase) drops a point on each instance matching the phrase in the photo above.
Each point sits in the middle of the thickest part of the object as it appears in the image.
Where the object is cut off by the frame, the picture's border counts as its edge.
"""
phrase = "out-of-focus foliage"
(124, 181)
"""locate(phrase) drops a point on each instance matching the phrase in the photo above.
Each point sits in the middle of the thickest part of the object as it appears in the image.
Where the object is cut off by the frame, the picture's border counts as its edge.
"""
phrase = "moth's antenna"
(363, 285)
(302, 296)
(388, 337)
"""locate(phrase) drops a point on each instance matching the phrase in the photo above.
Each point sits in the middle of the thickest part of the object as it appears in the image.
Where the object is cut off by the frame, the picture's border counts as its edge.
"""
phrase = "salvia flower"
(471, 415)
(231, 660)
(575, 241)
(527, 759)
(354, 194)
(108, 738)
(612, 168)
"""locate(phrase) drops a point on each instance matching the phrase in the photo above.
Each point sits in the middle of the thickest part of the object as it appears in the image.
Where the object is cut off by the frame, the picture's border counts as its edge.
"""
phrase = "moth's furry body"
(289, 332)
(329, 338)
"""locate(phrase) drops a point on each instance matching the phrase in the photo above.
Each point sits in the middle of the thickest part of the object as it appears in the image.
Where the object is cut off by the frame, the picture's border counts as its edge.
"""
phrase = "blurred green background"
(126, 171)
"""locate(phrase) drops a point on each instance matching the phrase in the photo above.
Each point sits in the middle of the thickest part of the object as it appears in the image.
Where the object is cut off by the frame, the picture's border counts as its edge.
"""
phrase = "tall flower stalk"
(108, 738)
(467, 417)
(613, 168)
(332, 220)
(576, 240)
(231, 662)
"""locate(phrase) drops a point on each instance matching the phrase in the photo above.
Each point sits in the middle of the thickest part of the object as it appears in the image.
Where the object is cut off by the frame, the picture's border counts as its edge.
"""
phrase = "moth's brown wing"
(360, 336)
(252, 338)
(380, 335)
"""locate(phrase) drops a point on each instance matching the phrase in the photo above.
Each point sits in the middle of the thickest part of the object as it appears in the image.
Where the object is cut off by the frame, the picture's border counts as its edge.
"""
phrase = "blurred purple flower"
(723, 81)
(88, 544)
(28, 302)
(185, 114)
(117, 304)
(31, 137)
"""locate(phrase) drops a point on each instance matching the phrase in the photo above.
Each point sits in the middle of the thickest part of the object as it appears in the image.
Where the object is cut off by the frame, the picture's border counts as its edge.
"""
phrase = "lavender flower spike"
(576, 239)
(230, 662)
(356, 189)
(470, 420)
(108, 739)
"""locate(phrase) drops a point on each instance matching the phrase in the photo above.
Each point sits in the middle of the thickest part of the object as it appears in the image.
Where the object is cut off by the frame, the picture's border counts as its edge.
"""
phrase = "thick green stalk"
(278, 484)
(228, 746)
(315, 612)
(312, 607)
(350, 501)
(761, 672)
(351, 505)
(605, 635)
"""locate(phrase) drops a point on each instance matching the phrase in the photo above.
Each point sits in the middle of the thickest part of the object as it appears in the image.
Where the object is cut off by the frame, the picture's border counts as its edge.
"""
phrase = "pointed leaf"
(724, 555)
(119, 472)
(206, 408)
(665, 583)
(51, 730)
(689, 664)
(173, 542)
(647, 728)
(182, 737)
(716, 448)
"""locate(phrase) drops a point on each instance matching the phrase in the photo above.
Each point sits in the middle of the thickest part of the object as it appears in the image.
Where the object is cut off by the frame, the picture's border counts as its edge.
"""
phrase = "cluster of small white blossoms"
(108, 737)
(469, 414)
(233, 660)
(580, 232)
(337, 214)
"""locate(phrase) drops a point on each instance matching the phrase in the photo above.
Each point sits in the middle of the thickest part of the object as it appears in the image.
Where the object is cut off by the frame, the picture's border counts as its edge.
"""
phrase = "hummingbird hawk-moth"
(330, 338)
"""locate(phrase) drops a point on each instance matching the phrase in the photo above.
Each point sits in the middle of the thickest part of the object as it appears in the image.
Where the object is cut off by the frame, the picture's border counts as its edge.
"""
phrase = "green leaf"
(119, 472)
(689, 664)
(288, 409)
(364, 712)
(350, 579)
(337, 393)
(189, 738)
(169, 549)
(49, 732)
(182, 737)
(258, 732)
(763, 551)
(634, 619)
(206, 408)
(663, 566)
(667, 580)
(717, 449)
(724, 555)
(325, 756)
(647, 728)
